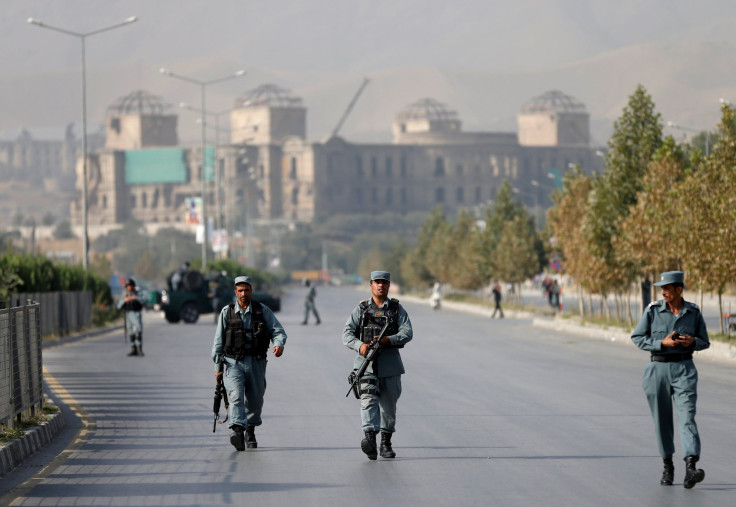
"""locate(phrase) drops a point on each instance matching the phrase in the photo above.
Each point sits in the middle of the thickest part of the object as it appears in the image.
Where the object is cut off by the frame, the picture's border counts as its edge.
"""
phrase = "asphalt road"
(493, 412)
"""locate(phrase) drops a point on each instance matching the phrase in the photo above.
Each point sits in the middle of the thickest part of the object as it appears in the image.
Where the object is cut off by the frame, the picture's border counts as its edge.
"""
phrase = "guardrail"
(21, 389)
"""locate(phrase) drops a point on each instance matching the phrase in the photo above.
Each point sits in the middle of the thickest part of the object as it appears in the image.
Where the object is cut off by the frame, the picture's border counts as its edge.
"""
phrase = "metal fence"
(62, 312)
(21, 389)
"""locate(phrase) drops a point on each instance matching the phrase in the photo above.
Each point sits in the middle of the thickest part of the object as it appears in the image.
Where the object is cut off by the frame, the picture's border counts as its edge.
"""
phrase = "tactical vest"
(372, 321)
(132, 306)
(236, 344)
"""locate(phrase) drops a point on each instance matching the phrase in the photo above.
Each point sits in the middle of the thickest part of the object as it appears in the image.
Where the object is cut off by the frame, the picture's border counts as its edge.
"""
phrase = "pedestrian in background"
(309, 305)
(497, 299)
(131, 304)
(380, 387)
(670, 330)
(245, 331)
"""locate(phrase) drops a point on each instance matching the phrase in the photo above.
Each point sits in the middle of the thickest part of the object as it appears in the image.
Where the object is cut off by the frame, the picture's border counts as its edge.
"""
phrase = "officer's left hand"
(686, 341)
(385, 341)
(277, 351)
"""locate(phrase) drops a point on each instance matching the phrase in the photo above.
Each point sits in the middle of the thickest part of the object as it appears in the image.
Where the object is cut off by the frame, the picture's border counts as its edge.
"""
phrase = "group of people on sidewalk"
(670, 329)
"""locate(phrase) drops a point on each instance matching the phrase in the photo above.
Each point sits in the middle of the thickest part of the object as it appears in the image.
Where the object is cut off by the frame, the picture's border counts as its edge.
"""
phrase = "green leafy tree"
(415, 266)
(637, 136)
(710, 192)
(463, 256)
(63, 230)
(516, 258)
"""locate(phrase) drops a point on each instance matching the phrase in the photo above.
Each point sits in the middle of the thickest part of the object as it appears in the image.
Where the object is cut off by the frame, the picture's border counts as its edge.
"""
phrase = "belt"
(671, 358)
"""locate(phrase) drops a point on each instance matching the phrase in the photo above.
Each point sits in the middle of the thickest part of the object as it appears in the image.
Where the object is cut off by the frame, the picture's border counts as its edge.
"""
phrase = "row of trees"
(470, 251)
(658, 206)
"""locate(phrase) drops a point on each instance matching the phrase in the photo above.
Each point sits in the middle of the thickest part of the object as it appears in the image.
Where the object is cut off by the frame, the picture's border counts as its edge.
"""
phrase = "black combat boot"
(140, 350)
(668, 474)
(386, 450)
(133, 351)
(692, 475)
(368, 445)
(237, 438)
(250, 437)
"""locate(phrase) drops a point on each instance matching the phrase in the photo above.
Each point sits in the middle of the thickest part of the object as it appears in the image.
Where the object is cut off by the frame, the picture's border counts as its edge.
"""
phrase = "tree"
(63, 230)
(655, 220)
(516, 256)
(710, 192)
(504, 208)
(462, 254)
(48, 219)
(414, 267)
(564, 221)
(637, 136)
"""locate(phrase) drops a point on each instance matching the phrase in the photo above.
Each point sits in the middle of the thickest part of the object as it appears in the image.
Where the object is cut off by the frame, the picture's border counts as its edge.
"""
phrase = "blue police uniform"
(133, 319)
(380, 387)
(245, 378)
(671, 373)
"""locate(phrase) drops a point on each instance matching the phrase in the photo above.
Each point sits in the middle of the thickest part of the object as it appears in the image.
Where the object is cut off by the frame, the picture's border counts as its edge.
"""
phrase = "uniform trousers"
(245, 381)
(378, 411)
(310, 307)
(663, 383)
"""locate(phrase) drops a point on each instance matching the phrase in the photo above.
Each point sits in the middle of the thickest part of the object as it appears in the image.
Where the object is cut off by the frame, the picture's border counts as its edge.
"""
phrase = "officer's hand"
(686, 340)
(669, 341)
(277, 351)
(364, 349)
(385, 341)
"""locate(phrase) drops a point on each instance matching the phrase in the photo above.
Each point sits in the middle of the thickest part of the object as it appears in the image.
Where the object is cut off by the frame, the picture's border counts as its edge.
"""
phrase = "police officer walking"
(380, 387)
(245, 330)
(670, 330)
(130, 303)
(309, 304)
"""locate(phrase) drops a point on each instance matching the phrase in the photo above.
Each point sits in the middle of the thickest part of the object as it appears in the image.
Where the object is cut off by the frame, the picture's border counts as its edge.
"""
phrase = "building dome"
(139, 102)
(553, 101)
(268, 95)
(427, 109)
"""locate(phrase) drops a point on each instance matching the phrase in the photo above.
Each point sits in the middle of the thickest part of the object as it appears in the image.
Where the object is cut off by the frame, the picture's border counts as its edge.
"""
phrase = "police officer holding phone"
(670, 330)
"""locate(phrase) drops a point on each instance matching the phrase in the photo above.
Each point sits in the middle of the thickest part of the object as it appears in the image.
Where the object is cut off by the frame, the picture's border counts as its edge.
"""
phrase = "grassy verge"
(10, 434)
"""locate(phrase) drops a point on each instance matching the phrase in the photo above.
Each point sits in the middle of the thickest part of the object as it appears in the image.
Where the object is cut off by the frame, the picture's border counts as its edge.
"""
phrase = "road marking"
(88, 427)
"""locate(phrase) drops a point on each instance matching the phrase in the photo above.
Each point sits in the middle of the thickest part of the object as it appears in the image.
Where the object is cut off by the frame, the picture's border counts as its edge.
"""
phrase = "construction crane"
(350, 107)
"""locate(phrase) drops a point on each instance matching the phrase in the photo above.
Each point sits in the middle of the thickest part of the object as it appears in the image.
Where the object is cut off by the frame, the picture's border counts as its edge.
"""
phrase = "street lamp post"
(674, 125)
(82, 37)
(203, 86)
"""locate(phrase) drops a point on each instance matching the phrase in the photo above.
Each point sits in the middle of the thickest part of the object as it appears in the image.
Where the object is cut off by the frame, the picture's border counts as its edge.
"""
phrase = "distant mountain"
(483, 59)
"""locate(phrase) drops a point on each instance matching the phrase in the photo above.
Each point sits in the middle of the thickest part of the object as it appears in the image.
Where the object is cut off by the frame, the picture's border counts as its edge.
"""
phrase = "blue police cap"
(380, 275)
(243, 279)
(671, 277)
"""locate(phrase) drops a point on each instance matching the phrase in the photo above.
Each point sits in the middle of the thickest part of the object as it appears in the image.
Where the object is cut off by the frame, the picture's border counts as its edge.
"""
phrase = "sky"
(484, 58)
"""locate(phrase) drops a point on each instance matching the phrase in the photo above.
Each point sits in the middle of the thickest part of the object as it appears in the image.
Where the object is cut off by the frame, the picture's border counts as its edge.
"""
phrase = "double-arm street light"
(675, 126)
(82, 37)
(203, 86)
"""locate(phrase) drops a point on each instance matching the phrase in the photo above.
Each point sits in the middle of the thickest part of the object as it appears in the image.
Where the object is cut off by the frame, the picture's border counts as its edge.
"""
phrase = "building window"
(478, 194)
(403, 195)
(292, 173)
(295, 196)
(460, 194)
(389, 196)
(154, 204)
(104, 202)
(359, 166)
(132, 202)
(403, 167)
(439, 166)
(358, 195)
(389, 166)
(374, 166)
(439, 195)
(144, 200)
(374, 195)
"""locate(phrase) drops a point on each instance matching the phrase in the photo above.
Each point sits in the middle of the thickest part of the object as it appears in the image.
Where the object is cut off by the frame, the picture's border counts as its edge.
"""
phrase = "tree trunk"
(581, 301)
(628, 307)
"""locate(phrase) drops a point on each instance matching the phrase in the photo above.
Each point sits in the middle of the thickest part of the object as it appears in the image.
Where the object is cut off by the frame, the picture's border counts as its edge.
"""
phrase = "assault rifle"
(373, 349)
(220, 393)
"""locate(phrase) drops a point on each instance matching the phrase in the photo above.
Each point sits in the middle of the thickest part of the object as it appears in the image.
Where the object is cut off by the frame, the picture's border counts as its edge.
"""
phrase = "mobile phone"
(676, 336)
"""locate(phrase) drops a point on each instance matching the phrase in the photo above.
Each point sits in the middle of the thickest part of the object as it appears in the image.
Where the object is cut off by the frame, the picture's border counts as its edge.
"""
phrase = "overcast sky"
(307, 43)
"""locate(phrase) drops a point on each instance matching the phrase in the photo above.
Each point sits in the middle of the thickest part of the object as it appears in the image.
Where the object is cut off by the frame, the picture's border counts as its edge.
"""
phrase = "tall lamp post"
(203, 86)
(82, 37)
(675, 126)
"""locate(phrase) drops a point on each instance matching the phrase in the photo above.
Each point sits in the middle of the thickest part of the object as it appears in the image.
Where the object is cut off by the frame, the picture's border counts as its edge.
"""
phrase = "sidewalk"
(720, 352)
(14, 452)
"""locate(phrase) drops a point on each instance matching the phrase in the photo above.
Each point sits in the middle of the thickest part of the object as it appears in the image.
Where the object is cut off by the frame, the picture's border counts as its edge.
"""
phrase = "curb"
(13, 454)
(81, 336)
